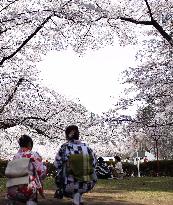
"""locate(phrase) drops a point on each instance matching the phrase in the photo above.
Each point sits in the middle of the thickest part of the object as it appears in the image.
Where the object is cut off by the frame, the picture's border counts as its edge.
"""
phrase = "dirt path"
(89, 199)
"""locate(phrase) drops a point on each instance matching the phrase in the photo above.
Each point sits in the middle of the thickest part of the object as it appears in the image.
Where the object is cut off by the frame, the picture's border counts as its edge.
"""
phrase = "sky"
(91, 79)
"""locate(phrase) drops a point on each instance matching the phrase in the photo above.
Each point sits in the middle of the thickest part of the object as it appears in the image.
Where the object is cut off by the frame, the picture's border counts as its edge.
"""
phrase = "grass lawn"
(144, 190)
(132, 191)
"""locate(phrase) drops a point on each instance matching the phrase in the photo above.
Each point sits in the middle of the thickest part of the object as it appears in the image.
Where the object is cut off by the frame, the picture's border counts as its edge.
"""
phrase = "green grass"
(144, 190)
(139, 184)
(132, 191)
(2, 184)
(164, 184)
(48, 184)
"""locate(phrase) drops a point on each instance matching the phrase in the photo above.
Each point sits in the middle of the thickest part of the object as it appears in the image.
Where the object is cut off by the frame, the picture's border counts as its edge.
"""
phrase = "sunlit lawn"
(158, 190)
(139, 184)
(144, 190)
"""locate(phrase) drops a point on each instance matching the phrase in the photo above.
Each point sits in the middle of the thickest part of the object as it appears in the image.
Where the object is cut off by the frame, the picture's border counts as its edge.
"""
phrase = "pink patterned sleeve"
(38, 163)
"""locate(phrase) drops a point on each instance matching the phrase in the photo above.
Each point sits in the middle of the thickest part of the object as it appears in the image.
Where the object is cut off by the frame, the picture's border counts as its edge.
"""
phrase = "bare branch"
(31, 36)
(18, 24)
(58, 29)
(152, 23)
(3, 31)
(83, 37)
(9, 5)
(162, 32)
(136, 21)
(149, 10)
(10, 97)
(41, 132)
(32, 118)
(26, 40)
(19, 15)
(5, 125)
(129, 119)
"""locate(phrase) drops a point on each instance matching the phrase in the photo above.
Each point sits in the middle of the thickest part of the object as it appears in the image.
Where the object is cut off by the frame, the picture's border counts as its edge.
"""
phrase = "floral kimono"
(71, 183)
(37, 173)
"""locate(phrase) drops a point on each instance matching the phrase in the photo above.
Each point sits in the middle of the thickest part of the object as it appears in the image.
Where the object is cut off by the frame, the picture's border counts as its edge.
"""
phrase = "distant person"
(145, 159)
(128, 160)
(111, 168)
(118, 171)
(36, 173)
(75, 163)
(102, 169)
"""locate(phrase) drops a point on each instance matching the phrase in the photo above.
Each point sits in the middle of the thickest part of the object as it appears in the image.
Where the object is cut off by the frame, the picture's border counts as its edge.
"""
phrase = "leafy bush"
(129, 169)
(51, 170)
(162, 167)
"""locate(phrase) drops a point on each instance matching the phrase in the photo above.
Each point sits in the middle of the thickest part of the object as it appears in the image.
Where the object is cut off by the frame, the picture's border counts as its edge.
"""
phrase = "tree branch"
(153, 22)
(162, 32)
(10, 97)
(30, 36)
(41, 132)
(8, 5)
(26, 40)
(135, 21)
(32, 118)
(5, 125)
(149, 10)
(18, 24)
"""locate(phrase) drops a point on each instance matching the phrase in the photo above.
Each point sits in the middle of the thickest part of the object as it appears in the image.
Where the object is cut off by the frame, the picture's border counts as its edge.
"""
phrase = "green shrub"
(51, 170)
(129, 169)
(162, 167)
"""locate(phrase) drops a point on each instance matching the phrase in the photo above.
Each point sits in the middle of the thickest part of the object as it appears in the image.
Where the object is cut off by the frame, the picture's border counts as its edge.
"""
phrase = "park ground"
(132, 191)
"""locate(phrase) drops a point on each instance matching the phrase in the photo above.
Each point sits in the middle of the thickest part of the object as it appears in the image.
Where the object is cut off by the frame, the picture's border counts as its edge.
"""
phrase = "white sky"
(93, 78)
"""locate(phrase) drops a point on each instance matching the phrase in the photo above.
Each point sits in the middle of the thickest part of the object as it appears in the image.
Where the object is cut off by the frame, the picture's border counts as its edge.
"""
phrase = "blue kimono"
(74, 159)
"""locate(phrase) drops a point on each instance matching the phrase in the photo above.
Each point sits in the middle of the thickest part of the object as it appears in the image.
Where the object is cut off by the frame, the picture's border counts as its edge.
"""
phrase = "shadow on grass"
(88, 200)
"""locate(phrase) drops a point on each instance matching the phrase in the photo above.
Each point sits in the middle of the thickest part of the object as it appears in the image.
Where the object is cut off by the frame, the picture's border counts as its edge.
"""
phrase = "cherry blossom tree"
(31, 28)
(28, 29)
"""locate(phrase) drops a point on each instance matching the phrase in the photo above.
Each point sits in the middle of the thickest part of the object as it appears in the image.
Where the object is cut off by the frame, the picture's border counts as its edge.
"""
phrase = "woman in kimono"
(75, 164)
(37, 172)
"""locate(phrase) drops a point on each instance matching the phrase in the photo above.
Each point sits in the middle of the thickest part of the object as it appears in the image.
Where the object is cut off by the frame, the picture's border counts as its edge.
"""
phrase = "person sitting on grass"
(118, 170)
(102, 170)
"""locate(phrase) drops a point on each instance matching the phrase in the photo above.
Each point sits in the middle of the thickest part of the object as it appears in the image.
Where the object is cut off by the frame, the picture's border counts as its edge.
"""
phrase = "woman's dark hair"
(75, 135)
(25, 141)
(118, 158)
